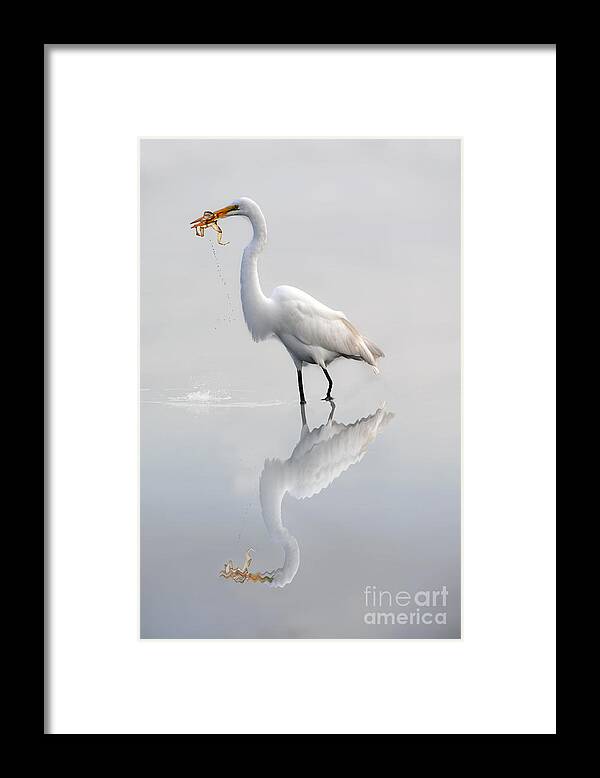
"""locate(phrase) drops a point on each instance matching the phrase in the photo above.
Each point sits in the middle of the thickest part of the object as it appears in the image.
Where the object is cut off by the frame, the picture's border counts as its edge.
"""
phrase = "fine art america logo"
(427, 606)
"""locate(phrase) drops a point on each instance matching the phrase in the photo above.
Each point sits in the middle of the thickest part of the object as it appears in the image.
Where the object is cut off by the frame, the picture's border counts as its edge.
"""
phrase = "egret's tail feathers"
(375, 350)
(367, 351)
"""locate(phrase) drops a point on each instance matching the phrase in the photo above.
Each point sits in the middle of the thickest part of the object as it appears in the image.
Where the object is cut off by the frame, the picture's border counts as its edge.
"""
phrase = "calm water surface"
(356, 495)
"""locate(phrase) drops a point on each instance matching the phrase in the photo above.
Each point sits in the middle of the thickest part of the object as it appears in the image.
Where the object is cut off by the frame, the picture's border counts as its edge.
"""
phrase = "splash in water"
(201, 395)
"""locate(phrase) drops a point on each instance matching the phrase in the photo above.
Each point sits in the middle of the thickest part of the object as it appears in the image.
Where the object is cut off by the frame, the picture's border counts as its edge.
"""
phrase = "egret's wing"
(314, 324)
(310, 472)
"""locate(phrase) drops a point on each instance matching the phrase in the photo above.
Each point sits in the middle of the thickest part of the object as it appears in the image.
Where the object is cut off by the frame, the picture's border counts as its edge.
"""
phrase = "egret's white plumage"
(311, 332)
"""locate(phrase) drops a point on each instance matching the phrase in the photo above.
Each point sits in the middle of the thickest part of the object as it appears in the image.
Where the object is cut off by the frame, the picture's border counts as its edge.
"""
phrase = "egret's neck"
(254, 303)
(272, 489)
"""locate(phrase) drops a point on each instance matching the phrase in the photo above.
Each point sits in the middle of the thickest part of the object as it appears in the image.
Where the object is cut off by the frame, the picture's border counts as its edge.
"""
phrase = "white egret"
(311, 332)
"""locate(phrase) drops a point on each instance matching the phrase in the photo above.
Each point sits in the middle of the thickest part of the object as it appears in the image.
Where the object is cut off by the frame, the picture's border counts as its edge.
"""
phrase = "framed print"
(367, 228)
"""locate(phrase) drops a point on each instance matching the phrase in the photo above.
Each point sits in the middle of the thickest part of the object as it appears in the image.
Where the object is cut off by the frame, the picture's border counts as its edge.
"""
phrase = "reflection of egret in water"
(320, 456)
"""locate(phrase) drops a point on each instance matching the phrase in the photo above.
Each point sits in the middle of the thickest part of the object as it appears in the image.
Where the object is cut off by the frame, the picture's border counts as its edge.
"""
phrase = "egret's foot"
(328, 398)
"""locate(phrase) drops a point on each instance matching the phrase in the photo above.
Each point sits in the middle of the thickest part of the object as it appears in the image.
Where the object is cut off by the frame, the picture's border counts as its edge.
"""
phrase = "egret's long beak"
(210, 217)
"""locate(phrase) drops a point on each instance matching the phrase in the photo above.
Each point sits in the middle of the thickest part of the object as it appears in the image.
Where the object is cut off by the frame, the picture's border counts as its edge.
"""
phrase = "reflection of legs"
(328, 395)
(301, 387)
(332, 411)
(303, 415)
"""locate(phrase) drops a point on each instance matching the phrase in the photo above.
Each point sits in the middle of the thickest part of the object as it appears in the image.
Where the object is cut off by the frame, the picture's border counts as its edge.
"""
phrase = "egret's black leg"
(328, 395)
(301, 388)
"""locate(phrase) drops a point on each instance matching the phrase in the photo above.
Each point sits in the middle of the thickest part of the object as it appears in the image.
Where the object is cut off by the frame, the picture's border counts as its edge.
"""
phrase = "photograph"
(300, 387)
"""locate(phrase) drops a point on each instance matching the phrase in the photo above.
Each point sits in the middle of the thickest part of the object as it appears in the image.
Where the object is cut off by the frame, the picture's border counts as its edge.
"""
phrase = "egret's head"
(244, 206)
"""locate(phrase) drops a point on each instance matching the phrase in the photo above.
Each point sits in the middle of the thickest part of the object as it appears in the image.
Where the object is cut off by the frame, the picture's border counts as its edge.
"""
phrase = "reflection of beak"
(210, 217)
